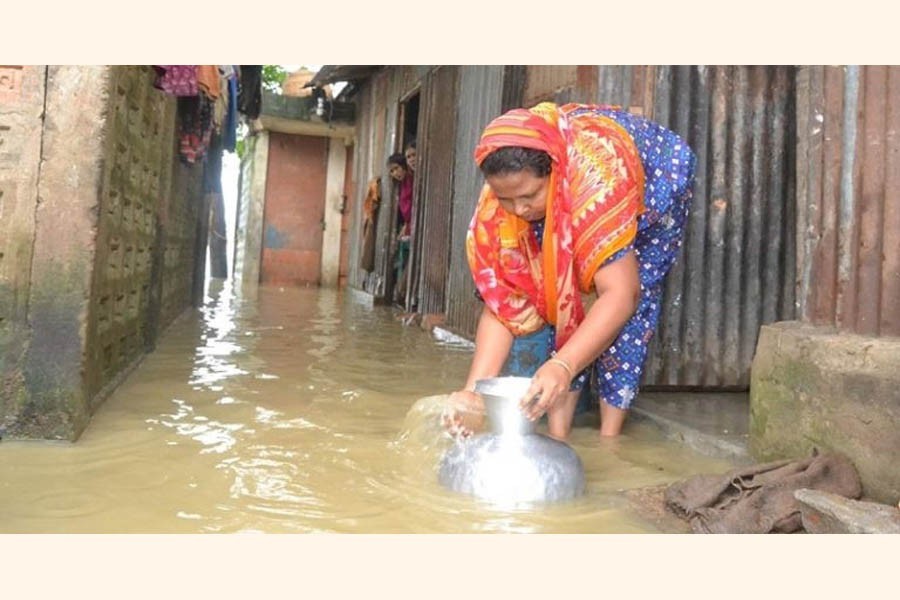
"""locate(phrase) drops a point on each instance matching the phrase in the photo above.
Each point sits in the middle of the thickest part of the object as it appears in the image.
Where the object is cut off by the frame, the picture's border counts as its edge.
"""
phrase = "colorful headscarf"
(595, 195)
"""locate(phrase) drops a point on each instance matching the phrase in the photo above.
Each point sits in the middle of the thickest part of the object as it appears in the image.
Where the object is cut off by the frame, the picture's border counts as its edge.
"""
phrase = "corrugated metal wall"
(848, 176)
(736, 271)
(435, 198)
(480, 93)
(378, 137)
(542, 81)
(374, 135)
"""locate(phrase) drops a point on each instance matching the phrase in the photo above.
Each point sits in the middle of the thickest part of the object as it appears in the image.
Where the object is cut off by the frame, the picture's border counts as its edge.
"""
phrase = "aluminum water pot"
(511, 463)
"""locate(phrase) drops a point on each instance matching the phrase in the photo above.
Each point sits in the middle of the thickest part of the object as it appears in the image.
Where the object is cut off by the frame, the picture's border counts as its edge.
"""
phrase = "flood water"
(300, 410)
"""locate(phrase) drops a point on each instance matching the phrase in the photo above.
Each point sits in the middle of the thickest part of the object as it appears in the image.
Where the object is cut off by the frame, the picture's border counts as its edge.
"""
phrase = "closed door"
(295, 210)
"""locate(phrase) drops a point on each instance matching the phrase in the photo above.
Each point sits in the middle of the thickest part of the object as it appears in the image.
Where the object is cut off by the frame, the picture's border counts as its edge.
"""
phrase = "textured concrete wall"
(185, 201)
(135, 174)
(811, 387)
(97, 252)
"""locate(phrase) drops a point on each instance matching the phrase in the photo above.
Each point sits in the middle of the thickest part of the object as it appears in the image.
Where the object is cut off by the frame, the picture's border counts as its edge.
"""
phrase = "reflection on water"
(299, 410)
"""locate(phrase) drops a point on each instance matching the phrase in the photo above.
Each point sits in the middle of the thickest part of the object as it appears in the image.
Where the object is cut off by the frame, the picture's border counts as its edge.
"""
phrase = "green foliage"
(273, 77)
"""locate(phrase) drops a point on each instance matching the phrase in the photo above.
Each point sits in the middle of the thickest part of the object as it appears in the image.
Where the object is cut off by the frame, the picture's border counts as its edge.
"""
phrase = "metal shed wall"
(479, 101)
(435, 201)
(362, 147)
(737, 265)
(848, 177)
(377, 138)
(375, 129)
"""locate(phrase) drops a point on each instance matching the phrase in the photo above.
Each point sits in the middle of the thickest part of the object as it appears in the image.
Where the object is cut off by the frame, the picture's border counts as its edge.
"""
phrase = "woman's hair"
(410, 144)
(397, 159)
(512, 159)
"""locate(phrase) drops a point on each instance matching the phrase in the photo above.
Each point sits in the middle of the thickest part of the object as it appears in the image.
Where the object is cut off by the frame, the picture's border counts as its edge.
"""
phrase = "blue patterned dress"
(669, 170)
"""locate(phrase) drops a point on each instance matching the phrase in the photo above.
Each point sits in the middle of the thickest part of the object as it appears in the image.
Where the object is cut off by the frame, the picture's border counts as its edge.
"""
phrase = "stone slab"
(823, 512)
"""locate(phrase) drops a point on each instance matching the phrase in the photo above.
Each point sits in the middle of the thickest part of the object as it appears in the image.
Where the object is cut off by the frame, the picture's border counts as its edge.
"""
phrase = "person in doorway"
(409, 153)
(403, 179)
(578, 199)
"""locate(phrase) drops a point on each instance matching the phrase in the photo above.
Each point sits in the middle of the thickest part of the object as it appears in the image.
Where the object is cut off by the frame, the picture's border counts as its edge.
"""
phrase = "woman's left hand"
(549, 384)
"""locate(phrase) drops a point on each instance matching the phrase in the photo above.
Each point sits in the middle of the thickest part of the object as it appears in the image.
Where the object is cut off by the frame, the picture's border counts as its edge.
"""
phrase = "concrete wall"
(21, 123)
(102, 229)
(250, 208)
(813, 387)
(334, 202)
(73, 152)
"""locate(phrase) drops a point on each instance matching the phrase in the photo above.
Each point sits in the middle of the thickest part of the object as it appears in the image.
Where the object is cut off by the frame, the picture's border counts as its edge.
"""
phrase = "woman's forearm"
(618, 293)
(492, 344)
(599, 329)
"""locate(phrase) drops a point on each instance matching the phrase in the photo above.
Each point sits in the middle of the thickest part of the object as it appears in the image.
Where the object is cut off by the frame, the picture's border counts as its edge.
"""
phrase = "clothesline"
(209, 98)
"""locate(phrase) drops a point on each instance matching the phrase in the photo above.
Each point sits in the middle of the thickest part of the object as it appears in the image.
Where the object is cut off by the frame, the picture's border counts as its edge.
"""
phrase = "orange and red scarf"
(595, 196)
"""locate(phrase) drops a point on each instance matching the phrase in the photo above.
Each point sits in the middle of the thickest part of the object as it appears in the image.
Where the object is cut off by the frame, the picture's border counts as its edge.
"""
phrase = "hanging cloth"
(208, 80)
(196, 127)
(250, 92)
(370, 211)
(177, 80)
(229, 128)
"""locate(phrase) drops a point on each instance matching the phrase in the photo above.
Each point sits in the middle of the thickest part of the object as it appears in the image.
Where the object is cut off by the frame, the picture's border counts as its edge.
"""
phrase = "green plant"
(273, 77)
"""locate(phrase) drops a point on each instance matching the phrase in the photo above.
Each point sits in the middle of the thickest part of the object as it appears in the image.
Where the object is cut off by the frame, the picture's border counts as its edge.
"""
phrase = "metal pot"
(511, 463)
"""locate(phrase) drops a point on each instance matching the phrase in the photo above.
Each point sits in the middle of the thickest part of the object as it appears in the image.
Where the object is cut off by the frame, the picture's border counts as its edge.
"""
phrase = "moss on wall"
(815, 388)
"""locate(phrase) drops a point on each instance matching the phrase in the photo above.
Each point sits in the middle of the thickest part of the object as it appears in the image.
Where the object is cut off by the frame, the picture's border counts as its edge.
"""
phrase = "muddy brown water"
(301, 410)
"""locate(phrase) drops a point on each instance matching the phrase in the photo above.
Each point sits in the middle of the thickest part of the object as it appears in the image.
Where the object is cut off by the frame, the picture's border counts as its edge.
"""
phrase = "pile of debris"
(818, 494)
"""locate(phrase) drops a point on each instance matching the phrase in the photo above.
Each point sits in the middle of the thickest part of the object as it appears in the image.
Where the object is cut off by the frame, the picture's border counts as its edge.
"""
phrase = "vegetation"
(273, 77)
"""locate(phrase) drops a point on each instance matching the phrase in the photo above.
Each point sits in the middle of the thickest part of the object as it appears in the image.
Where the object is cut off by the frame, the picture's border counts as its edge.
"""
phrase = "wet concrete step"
(711, 423)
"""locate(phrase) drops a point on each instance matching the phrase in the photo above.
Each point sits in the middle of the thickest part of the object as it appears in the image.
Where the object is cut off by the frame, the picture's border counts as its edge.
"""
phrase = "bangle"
(564, 365)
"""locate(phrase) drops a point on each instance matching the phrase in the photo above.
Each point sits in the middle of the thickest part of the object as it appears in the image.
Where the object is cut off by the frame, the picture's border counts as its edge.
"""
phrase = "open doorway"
(403, 292)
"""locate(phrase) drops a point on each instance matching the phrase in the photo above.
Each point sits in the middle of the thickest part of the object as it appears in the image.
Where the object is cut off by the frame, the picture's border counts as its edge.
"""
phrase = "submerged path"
(300, 410)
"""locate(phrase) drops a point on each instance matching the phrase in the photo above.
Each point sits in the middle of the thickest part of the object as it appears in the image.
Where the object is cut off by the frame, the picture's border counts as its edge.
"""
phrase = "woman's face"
(522, 193)
(397, 172)
(411, 158)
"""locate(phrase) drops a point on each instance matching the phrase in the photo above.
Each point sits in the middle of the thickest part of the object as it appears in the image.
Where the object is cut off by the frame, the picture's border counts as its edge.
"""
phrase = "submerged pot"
(511, 463)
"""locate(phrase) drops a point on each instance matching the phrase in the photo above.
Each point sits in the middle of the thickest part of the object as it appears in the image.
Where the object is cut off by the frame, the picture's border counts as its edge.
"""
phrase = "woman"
(403, 178)
(578, 198)
(411, 155)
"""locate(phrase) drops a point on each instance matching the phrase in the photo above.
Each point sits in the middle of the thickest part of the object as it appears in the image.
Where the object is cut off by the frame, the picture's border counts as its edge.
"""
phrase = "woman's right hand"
(466, 413)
